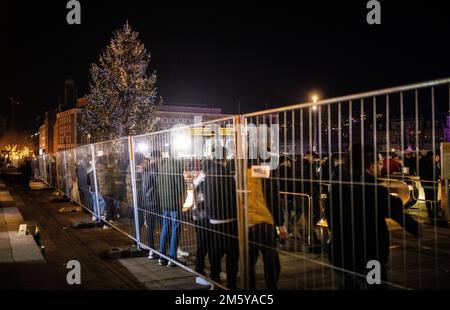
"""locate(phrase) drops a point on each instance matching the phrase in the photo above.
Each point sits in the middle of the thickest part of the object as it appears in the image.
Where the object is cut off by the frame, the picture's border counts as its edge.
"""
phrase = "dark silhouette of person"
(356, 210)
(148, 215)
(429, 176)
(220, 203)
(171, 191)
(265, 217)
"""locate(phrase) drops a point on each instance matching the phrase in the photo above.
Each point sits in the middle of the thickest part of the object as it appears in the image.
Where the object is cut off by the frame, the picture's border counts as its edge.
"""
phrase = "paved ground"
(64, 243)
(412, 265)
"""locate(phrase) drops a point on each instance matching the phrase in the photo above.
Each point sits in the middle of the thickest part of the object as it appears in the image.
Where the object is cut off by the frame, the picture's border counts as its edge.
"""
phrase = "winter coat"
(269, 190)
(105, 177)
(360, 234)
(171, 187)
(219, 190)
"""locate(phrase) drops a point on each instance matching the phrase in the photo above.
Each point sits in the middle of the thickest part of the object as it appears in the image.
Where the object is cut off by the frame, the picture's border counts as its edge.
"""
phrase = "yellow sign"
(208, 132)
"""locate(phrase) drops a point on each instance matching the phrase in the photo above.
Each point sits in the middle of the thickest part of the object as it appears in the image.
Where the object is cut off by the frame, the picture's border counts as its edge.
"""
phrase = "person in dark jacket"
(83, 186)
(201, 220)
(356, 211)
(148, 216)
(265, 217)
(105, 176)
(219, 189)
(411, 163)
(307, 182)
(98, 203)
(291, 204)
(171, 191)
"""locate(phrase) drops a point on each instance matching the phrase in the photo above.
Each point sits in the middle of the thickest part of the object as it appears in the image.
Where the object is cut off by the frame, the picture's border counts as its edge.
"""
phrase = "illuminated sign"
(208, 132)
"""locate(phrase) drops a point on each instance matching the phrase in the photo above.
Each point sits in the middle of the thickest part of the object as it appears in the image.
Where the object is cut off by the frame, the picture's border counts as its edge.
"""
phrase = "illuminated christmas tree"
(123, 98)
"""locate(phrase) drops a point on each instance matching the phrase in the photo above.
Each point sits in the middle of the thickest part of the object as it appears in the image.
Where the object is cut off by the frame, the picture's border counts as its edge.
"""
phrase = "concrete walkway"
(21, 261)
(22, 265)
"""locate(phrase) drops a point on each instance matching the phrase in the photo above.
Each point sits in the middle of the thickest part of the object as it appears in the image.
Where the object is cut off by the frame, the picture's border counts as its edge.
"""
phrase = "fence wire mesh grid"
(302, 197)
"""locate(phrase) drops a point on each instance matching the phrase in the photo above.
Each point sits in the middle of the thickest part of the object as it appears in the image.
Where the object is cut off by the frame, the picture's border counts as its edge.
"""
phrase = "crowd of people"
(206, 191)
(343, 190)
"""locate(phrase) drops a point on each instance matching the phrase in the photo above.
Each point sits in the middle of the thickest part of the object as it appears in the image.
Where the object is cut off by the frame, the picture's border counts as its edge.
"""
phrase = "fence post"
(74, 154)
(65, 175)
(445, 174)
(49, 177)
(59, 170)
(241, 197)
(97, 204)
(134, 192)
(44, 167)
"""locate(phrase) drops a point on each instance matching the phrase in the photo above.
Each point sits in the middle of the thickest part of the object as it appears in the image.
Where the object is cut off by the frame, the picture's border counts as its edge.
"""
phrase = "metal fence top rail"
(367, 94)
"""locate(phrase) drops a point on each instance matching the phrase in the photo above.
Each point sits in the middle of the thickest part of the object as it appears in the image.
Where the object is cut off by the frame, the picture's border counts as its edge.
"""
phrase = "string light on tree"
(123, 98)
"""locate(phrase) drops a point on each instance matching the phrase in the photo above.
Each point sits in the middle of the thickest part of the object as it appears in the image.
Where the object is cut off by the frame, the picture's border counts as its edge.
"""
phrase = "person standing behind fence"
(196, 205)
(220, 204)
(119, 183)
(307, 182)
(148, 211)
(97, 201)
(411, 163)
(264, 216)
(105, 176)
(83, 186)
(291, 204)
(356, 214)
(171, 190)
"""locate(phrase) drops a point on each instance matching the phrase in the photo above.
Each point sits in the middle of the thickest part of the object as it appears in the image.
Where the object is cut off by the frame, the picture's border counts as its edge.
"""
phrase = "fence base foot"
(315, 248)
(84, 225)
(69, 209)
(118, 253)
(60, 200)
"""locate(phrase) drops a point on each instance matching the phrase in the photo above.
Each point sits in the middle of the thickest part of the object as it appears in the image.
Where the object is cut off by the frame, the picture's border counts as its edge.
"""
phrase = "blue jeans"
(99, 209)
(170, 219)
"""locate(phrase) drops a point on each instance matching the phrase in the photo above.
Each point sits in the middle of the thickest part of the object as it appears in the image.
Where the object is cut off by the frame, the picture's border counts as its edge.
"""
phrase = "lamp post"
(314, 108)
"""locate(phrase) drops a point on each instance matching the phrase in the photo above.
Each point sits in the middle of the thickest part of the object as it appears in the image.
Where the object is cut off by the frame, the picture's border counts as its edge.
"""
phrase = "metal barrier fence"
(314, 188)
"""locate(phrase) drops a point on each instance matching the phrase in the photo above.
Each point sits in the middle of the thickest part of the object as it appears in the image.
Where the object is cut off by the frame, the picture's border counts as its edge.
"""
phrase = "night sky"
(259, 54)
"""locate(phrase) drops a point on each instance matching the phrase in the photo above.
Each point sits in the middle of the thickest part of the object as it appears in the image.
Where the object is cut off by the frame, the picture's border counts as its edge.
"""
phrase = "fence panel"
(113, 171)
(42, 168)
(86, 179)
(171, 170)
(338, 217)
(317, 189)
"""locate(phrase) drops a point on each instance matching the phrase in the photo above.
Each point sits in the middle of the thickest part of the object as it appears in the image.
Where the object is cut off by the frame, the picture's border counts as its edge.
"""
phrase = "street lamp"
(315, 98)
(314, 108)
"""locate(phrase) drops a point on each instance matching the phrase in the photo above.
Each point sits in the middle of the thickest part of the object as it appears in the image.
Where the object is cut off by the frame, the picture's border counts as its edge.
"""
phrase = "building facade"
(171, 115)
(46, 143)
(66, 131)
